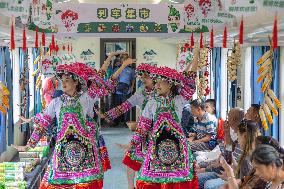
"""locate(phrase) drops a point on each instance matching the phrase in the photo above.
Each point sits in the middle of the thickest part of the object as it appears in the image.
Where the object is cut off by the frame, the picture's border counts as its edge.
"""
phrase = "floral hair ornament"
(167, 74)
(80, 72)
(144, 68)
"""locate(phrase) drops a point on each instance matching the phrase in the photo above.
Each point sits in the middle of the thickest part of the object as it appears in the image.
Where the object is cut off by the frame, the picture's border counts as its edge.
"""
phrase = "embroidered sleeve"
(135, 100)
(119, 110)
(102, 73)
(42, 122)
(111, 84)
(96, 91)
(144, 124)
(143, 127)
(188, 88)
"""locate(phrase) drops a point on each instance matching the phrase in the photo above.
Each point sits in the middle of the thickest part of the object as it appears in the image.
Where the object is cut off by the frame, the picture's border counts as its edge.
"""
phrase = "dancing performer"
(76, 161)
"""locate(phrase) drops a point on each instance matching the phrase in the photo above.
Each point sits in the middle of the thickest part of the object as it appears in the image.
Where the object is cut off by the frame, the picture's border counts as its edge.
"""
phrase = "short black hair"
(212, 103)
(256, 107)
(198, 104)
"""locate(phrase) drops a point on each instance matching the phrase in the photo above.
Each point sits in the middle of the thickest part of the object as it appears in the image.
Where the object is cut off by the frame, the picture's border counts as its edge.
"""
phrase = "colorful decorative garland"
(265, 75)
(203, 88)
(234, 62)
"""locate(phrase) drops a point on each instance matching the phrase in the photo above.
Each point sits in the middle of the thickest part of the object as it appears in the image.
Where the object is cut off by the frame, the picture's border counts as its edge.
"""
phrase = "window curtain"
(257, 95)
(216, 72)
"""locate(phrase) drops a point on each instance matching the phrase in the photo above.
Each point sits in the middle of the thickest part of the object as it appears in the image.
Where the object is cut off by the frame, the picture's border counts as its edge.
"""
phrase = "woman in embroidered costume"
(76, 161)
(168, 163)
(134, 157)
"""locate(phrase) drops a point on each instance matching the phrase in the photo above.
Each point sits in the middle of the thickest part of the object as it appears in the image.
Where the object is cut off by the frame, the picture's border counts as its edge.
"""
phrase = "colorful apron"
(76, 158)
(135, 156)
(169, 160)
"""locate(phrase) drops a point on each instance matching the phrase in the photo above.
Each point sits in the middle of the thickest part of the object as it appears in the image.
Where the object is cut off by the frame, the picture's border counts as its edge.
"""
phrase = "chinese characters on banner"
(120, 18)
(239, 8)
(273, 5)
(16, 8)
(192, 16)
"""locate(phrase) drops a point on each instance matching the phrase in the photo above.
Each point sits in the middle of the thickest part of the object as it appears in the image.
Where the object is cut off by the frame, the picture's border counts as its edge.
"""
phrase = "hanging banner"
(223, 14)
(42, 13)
(121, 18)
(4, 4)
(175, 21)
(207, 13)
(191, 18)
(273, 5)
(183, 59)
(208, 8)
(240, 7)
(16, 8)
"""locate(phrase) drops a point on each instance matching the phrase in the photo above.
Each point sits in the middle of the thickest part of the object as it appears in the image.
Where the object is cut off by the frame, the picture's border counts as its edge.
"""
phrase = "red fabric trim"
(220, 130)
(43, 38)
(181, 185)
(241, 35)
(12, 41)
(132, 164)
(225, 38)
(275, 34)
(192, 40)
(106, 165)
(36, 38)
(212, 38)
(98, 184)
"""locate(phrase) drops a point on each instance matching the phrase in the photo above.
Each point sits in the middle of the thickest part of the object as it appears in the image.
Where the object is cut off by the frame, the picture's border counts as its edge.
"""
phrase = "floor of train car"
(116, 177)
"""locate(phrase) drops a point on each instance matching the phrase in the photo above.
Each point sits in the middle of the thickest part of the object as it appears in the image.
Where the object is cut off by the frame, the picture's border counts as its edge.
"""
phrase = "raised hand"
(228, 169)
(102, 116)
(129, 61)
(25, 120)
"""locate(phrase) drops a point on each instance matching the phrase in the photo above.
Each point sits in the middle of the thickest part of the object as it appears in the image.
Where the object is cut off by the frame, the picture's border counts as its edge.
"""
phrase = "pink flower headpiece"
(169, 74)
(81, 71)
(143, 67)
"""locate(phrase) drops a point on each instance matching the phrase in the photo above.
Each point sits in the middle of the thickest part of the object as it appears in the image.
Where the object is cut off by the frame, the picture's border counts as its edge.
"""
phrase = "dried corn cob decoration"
(202, 79)
(267, 113)
(263, 118)
(274, 97)
(35, 72)
(271, 105)
(265, 75)
(234, 61)
(3, 110)
(266, 55)
(38, 82)
(264, 66)
(262, 75)
(266, 83)
(4, 98)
